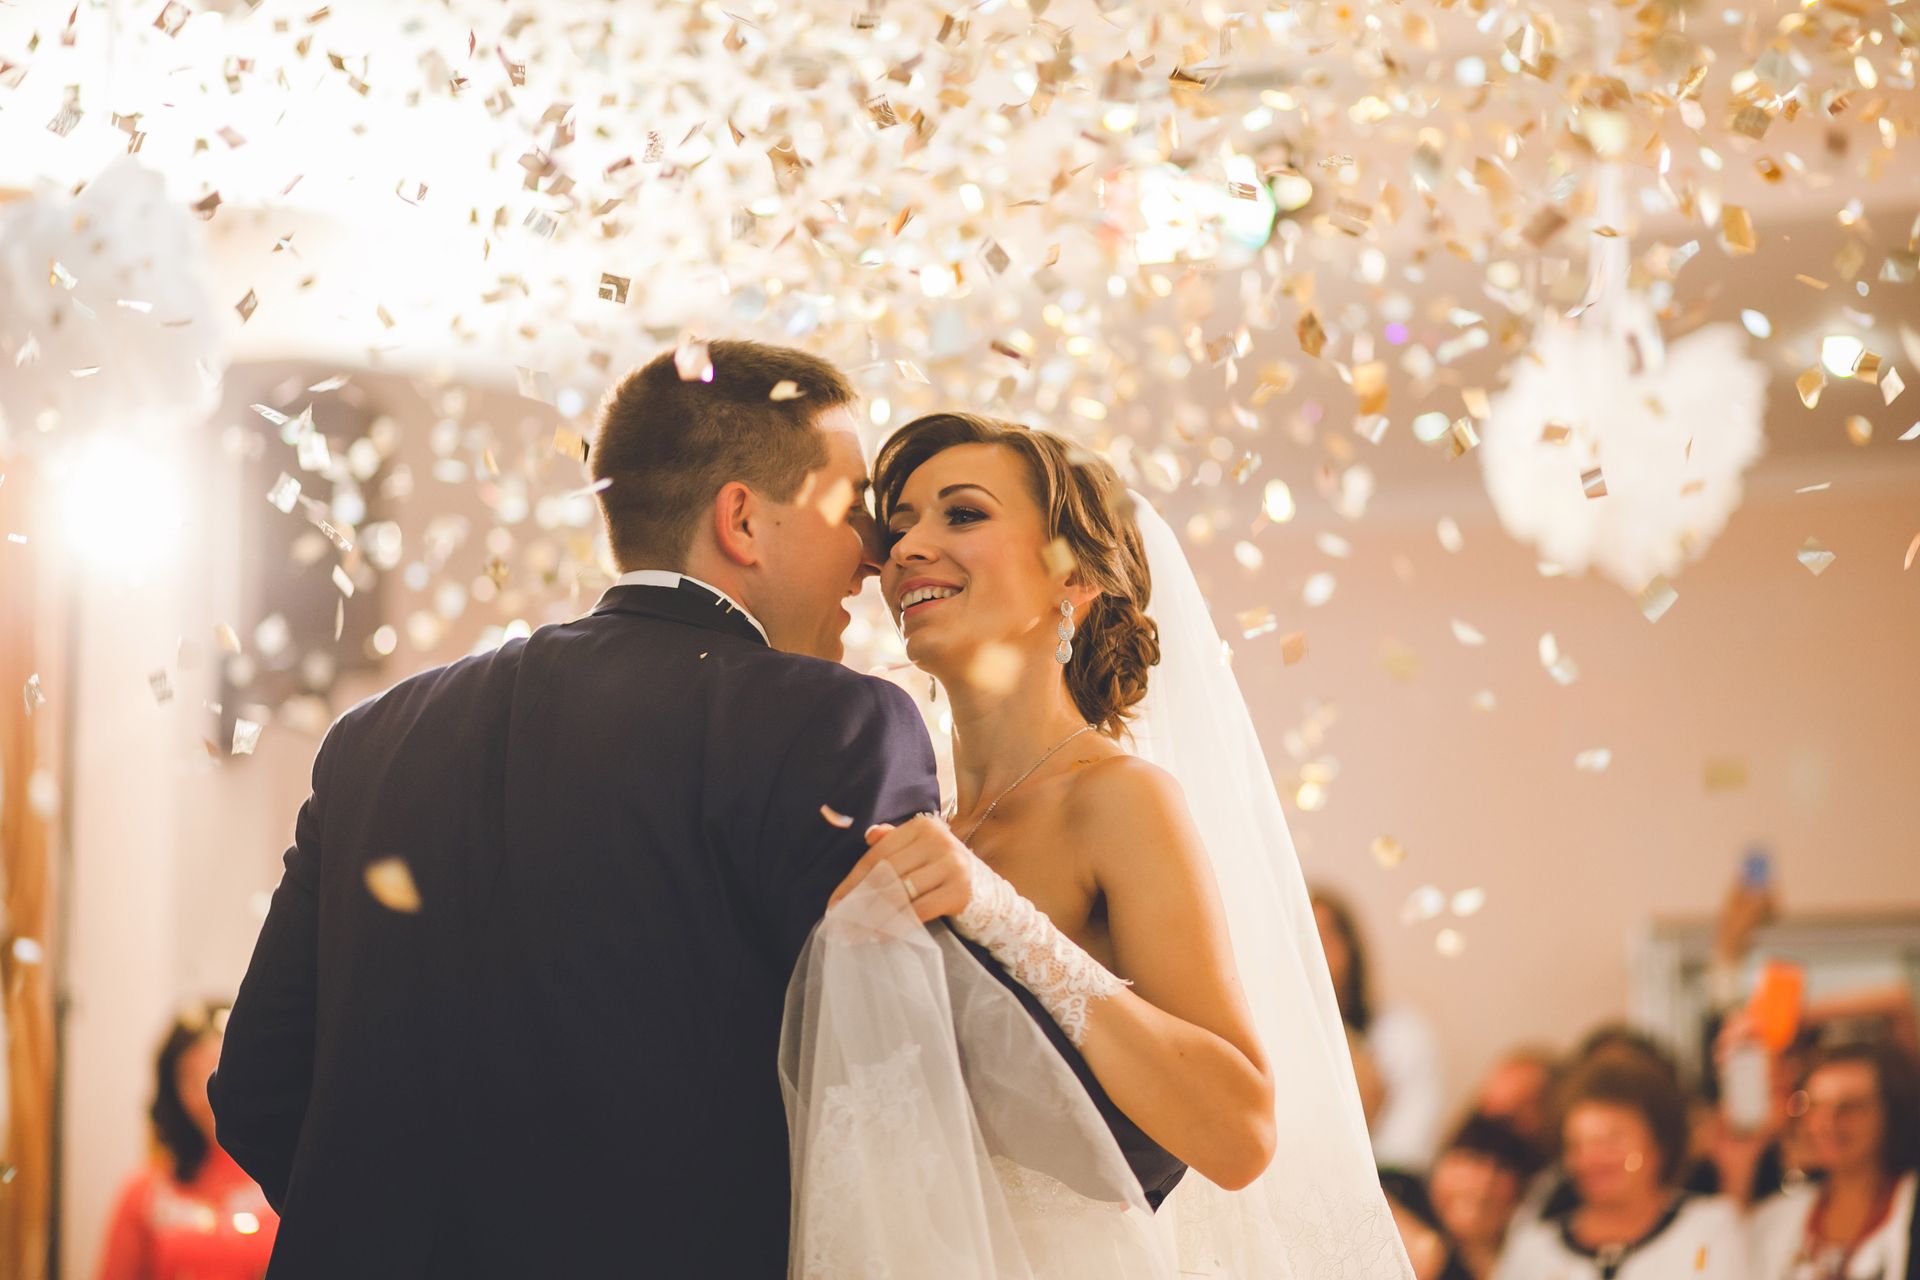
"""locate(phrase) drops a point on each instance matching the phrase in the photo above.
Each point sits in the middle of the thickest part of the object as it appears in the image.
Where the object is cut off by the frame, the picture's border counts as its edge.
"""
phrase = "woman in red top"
(192, 1214)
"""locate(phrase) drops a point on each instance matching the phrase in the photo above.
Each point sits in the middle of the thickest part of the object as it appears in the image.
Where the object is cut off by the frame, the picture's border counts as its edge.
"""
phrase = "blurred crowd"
(1791, 1155)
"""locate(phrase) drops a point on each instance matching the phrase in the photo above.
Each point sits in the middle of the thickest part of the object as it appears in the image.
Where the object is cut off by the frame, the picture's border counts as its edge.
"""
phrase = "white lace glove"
(1029, 946)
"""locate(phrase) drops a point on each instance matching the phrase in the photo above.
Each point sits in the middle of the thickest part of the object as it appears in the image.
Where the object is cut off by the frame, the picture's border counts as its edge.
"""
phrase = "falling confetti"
(1594, 760)
(1656, 598)
(246, 735)
(1814, 556)
(833, 817)
(390, 881)
(35, 699)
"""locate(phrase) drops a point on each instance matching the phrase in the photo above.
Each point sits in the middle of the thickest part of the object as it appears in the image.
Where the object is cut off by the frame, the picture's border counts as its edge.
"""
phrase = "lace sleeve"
(1042, 959)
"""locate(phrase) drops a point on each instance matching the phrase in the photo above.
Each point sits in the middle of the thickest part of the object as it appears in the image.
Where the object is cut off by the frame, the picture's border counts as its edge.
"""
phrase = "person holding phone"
(1861, 1127)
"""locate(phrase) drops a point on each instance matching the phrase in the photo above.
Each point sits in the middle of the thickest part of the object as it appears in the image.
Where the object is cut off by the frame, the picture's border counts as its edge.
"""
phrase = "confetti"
(35, 699)
(343, 581)
(1725, 773)
(1810, 384)
(1891, 385)
(1736, 230)
(246, 735)
(1466, 634)
(1449, 943)
(785, 389)
(246, 306)
(161, 685)
(1388, 852)
(1058, 558)
(1593, 760)
(1656, 598)
(285, 492)
(613, 288)
(390, 881)
(693, 361)
(1593, 483)
(1912, 548)
(1558, 665)
(835, 818)
(1814, 556)
(1293, 647)
(1859, 429)
(172, 17)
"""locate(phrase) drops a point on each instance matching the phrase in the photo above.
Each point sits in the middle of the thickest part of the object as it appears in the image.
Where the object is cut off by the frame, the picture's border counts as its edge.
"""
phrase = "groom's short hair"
(666, 444)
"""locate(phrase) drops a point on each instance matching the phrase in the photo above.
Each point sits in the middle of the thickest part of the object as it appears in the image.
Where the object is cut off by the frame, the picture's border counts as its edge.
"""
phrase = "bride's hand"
(929, 859)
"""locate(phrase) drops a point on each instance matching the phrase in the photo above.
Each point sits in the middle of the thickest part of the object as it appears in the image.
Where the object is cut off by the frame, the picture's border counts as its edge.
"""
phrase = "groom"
(620, 830)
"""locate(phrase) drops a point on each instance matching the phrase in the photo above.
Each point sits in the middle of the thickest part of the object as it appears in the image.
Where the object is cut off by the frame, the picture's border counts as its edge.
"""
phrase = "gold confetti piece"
(31, 693)
(569, 442)
(833, 817)
(1313, 339)
(1257, 622)
(391, 883)
(1810, 384)
(226, 638)
(1912, 548)
(1544, 226)
(246, 306)
(1336, 162)
(1725, 773)
(1814, 556)
(1911, 433)
(1293, 647)
(1010, 351)
(996, 259)
(613, 288)
(1593, 483)
(1466, 634)
(1822, 487)
(1058, 558)
(343, 581)
(1594, 760)
(1751, 121)
(1859, 430)
(1812, 282)
(1388, 852)
(161, 685)
(785, 389)
(1891, 386)
(285, 492)
(246, 735)
(900, 220)
(1656, 598)
(1461, 437)
(206, 205)
(173, 16)
(1370, 386)
(1866, 366)
(334, 383)
(881, 112)
(1478, 403)
(1736, 230)
(1555, 433)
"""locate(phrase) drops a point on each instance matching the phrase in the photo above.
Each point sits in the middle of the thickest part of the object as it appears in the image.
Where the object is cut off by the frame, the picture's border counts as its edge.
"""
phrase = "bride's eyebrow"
(955, 488)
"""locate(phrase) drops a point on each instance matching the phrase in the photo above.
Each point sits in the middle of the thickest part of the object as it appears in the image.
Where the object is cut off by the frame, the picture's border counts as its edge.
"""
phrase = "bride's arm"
(1178, 1051)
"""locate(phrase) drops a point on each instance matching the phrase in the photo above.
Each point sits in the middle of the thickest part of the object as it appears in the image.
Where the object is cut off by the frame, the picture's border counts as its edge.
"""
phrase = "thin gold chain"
(1035, 768)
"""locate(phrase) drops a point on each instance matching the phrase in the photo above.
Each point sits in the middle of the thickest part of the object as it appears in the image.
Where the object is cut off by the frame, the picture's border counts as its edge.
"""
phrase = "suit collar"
(688, 602)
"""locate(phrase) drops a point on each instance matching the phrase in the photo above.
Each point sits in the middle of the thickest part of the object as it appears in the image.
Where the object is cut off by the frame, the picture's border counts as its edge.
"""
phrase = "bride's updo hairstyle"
(1085, 504)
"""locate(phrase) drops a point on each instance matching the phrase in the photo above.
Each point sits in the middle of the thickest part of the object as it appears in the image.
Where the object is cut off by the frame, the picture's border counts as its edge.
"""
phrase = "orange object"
(1774, 1009)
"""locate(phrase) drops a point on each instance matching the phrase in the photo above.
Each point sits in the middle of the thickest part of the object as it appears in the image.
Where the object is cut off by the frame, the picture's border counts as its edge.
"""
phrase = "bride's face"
(964, 575)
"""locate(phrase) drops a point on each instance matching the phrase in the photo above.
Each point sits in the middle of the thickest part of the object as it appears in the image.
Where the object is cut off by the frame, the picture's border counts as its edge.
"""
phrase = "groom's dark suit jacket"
(563, 1063)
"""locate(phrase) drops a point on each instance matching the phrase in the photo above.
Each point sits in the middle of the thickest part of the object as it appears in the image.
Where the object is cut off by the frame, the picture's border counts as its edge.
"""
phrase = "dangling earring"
(1064, 654)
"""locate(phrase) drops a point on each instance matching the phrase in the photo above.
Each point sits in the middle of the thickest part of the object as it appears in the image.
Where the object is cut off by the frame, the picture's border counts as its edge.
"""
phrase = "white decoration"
(1672, 427)
(105, 315)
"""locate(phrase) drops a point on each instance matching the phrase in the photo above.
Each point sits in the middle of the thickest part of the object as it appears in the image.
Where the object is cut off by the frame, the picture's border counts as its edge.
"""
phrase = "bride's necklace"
(1033, 769)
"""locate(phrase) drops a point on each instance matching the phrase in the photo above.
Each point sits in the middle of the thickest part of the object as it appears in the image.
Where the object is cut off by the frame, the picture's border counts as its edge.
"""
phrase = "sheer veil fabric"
(935, 1132)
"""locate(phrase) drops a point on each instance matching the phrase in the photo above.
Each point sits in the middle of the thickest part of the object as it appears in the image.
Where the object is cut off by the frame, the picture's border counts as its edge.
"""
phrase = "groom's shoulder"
(459, 681)
(814, 691)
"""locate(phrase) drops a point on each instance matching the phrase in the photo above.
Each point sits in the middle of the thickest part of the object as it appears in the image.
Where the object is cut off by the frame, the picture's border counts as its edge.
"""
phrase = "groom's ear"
(736, 523)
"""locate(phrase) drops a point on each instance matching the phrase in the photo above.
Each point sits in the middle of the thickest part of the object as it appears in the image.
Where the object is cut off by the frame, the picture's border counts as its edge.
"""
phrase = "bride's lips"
(908, 588)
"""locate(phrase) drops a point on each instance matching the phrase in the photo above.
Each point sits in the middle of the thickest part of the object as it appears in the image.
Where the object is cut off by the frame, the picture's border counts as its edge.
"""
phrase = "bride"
(1149, 903)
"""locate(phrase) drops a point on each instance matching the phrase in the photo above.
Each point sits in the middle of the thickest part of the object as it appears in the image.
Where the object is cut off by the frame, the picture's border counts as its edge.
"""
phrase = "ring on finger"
(912, 893)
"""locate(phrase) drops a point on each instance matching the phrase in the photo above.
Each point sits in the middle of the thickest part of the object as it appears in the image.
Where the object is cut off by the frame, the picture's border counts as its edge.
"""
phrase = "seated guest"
(1518, 1091)
(1476, 1187)
(1623, 1135)
(192, 1213)
(1861, 1129)
(1398, 1056)
(1428, 1249)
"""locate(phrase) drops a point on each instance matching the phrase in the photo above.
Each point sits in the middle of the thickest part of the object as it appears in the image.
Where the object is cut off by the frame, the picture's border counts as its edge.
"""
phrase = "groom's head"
(750, 478)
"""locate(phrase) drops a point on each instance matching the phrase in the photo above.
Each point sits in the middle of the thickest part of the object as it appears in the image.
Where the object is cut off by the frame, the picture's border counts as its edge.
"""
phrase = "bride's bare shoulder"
(1125, 799)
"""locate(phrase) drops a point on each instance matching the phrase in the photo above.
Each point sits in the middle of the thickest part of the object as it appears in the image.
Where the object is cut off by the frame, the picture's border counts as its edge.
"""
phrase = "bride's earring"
(1064, 654)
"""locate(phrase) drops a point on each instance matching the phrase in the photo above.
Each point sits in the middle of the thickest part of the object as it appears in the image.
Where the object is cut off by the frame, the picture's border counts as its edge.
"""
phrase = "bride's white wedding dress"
(937, 1134)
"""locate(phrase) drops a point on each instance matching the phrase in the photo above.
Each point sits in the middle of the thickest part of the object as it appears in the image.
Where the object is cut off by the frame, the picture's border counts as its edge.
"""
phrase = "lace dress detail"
(876, 1113)
(1031, 947)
